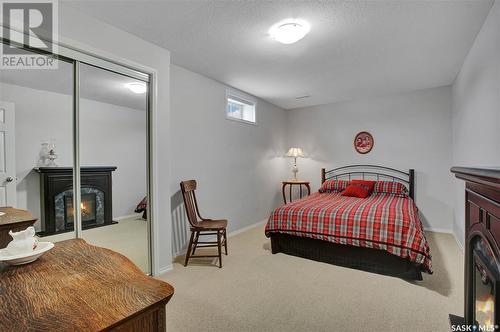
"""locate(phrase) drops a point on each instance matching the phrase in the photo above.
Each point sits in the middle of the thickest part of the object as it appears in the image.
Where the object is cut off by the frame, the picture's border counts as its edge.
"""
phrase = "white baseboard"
(459, 244)
(446, 231)
(246, 228)
(177, 254)
(439, 230)
(128, 216)
(165, 269)
(230, 234)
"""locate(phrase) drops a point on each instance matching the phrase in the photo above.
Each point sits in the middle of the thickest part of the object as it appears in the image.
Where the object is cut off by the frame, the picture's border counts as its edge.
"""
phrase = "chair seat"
(211, 225)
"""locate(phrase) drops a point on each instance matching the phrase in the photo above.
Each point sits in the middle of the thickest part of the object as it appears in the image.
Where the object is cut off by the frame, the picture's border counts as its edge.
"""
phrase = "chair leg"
(195, 243)
(188, 251)
(225, 241)
(219, 245)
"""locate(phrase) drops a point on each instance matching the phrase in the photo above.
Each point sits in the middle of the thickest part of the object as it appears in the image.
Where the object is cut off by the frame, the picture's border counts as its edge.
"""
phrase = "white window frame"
(243, 97)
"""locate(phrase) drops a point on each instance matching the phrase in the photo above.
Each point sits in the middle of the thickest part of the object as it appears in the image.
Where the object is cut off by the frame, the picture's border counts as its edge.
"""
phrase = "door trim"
(10, 152)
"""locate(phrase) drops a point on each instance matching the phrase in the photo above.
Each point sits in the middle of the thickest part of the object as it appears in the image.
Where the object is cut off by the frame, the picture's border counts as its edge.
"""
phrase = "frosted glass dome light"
(289, 31)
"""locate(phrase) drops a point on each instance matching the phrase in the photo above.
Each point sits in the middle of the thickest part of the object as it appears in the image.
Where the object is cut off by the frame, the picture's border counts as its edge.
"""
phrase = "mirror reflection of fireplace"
(88, 208)
(56, 198)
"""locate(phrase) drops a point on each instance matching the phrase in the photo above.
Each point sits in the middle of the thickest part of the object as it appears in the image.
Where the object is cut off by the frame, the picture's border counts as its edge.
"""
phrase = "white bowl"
(26, 258)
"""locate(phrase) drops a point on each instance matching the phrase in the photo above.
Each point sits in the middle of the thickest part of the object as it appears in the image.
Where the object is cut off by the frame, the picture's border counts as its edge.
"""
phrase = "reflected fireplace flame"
(484, 310)
(88, 206)
(83, 209)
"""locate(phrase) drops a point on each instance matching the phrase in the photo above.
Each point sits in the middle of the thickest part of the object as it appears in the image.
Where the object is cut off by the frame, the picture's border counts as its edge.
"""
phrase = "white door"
(7, 155)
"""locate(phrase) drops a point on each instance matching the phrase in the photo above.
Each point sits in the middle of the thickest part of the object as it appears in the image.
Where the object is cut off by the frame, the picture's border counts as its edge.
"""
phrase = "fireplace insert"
(485, 284)
(88, 208)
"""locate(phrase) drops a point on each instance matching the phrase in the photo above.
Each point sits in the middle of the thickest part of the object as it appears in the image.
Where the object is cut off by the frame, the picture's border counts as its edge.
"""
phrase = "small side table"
(292, 183)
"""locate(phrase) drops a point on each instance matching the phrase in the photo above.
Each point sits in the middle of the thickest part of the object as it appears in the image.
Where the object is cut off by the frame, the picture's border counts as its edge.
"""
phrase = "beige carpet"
(128, 237)
(258, 291)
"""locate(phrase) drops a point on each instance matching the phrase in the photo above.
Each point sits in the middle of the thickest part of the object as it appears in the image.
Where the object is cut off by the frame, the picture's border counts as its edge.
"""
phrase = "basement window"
(240, 107)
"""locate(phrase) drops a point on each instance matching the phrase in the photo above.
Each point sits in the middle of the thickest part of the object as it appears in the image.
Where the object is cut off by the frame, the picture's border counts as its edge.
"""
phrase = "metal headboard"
(372, 172)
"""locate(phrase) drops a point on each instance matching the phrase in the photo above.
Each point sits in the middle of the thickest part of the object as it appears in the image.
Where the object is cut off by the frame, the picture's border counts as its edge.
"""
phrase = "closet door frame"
(133, 70)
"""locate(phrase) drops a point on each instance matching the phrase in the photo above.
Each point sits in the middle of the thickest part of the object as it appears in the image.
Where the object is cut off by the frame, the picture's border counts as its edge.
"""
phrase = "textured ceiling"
(354, 49)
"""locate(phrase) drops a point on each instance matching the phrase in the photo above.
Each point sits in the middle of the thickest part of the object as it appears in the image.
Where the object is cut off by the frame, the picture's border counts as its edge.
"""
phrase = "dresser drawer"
(478, 205)
(484, 210)
(475, 213)
(494, 226)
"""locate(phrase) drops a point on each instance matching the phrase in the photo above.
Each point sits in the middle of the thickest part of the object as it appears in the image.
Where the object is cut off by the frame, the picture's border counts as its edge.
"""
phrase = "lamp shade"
(295, 152)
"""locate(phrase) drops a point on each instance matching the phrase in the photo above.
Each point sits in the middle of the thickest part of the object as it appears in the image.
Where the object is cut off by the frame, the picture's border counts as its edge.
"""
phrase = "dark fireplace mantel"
(482, 245)
(56, 185)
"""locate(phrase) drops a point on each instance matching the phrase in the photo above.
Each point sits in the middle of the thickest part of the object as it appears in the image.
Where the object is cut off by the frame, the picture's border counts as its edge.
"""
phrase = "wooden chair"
(201, 226)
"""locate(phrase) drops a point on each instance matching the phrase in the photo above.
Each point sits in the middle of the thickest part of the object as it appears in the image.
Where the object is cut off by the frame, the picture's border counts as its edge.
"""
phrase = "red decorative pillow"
(357, 190)
(391, 187)
(370, 184)
(333, 186)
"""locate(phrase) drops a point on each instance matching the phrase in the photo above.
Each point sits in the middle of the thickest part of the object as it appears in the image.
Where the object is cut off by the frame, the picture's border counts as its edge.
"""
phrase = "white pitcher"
(23, 242)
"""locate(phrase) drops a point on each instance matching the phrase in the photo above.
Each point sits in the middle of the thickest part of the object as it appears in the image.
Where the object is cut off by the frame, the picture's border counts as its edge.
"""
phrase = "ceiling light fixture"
(289, 31)
(137, 87)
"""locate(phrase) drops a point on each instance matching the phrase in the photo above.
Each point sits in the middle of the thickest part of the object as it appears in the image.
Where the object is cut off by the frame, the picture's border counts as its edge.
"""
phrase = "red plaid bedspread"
(380, 221)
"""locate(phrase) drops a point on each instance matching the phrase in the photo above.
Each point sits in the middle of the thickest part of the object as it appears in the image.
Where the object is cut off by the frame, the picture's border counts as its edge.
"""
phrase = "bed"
(381, 233)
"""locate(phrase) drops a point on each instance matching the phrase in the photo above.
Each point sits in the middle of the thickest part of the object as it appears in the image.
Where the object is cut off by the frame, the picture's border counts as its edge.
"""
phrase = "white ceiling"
(354, 49)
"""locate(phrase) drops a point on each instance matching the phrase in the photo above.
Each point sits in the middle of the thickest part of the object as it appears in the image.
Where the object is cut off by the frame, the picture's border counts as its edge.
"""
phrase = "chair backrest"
(188, 188)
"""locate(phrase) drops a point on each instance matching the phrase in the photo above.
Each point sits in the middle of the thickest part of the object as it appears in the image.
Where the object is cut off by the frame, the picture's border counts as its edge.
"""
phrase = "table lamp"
(295, 153)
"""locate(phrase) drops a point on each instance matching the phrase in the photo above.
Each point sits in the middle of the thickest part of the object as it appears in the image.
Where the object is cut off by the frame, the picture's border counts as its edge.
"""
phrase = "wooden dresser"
(80, 287)
(15, 220)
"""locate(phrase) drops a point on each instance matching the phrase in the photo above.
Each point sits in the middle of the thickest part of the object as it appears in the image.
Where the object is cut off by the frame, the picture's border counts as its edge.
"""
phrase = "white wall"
(238, 166)
(110, 136)
(476, 110)
(411, 130)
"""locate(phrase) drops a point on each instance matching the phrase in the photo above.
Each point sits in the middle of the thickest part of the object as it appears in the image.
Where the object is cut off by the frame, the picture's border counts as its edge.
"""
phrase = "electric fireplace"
(56, 198)
(485, 278)
(482, 253)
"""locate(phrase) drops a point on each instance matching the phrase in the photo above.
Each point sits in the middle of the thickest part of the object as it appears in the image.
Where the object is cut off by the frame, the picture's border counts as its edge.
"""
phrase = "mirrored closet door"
(36, 146)
(113, 162)
(74, 144)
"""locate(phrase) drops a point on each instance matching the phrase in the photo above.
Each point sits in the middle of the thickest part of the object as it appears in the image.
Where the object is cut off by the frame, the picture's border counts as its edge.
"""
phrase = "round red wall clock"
(363, 142)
